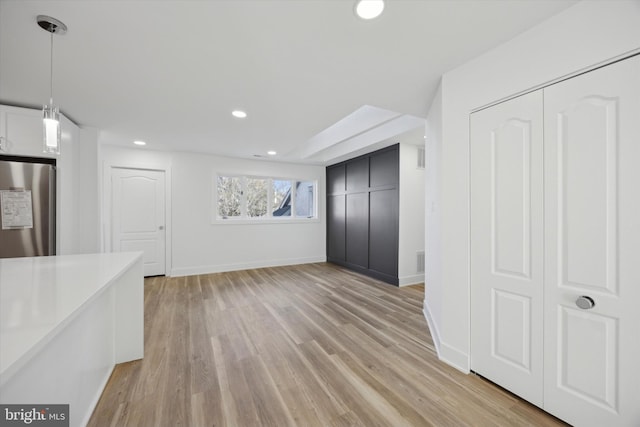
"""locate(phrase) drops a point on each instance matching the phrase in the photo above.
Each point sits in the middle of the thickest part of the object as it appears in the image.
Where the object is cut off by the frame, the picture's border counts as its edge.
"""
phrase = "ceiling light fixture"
(139, 142)
(271, 153)
(369, 9)
(51, 113)
(239, 114)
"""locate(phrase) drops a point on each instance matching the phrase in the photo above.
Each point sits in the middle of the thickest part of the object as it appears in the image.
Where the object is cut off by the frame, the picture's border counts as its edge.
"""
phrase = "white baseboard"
(221, 268)
(411, 280)
(454, 357)
(433, 327)
(446, 353)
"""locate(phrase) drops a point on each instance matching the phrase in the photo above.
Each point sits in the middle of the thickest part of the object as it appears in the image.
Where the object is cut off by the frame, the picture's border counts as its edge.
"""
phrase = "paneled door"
(592, 247)
(138, 219)
(507, 245)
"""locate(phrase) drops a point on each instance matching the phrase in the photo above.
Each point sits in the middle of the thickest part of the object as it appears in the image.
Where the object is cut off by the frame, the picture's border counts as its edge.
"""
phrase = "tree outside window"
(257, 196)
(229, 196)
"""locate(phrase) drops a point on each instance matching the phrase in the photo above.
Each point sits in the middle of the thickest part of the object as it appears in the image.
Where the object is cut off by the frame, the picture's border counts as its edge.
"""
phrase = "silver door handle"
(161, 227)
(584, 302)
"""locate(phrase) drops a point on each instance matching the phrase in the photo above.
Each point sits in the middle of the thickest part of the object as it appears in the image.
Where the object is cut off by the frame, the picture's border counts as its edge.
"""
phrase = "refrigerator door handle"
(52, 210)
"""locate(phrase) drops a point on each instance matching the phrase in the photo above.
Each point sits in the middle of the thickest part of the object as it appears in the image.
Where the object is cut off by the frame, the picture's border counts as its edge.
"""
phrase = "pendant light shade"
(51, 114)
(51, 126)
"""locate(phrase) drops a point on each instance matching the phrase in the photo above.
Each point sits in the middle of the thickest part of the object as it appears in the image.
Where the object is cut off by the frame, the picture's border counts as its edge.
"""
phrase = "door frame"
(106, 211)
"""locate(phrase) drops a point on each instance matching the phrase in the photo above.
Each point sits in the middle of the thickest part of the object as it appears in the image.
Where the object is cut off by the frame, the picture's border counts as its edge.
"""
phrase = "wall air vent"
(420, 262)
(421, 158)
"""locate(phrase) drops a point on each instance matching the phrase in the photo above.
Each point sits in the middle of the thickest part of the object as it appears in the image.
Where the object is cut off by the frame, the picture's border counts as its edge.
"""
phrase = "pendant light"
(51, 113)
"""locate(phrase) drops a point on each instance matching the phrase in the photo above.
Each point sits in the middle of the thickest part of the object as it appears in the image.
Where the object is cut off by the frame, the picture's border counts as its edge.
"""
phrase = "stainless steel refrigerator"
(27, 206)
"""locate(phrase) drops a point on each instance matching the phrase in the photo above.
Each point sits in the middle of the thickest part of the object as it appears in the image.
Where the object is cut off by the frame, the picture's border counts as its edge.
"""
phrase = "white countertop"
(40, 295)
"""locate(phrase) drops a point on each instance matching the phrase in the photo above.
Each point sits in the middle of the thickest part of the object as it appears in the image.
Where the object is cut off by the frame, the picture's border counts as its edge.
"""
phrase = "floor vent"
(421, 158)
(420, 262)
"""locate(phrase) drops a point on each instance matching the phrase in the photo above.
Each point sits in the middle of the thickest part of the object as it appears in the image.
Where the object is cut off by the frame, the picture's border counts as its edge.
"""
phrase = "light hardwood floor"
(310, 345)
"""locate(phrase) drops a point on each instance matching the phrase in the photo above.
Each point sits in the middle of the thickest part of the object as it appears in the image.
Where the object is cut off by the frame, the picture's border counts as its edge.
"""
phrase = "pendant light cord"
(51, 30)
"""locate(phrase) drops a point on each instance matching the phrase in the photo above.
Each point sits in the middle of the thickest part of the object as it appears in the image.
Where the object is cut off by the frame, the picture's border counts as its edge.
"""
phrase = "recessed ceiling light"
(271, 153)
(239, 114)
(139, 142)
(369, 9)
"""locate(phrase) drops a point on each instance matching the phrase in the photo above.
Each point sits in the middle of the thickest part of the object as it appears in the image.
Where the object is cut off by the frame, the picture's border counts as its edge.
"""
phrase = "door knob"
(161, 227)
(585, 302)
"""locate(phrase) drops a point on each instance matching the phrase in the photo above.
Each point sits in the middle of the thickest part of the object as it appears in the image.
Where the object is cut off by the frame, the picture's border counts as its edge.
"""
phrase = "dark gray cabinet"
(362, 214)
(357, 175)
(357, 229)
(383, 168)
(336, 180)
(336, 235)
(383, 235)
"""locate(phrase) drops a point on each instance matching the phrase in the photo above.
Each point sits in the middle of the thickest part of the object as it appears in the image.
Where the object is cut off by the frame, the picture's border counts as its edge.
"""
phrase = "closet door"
(507, 244)
(384, 212)
(336, 213)
(592, 247)
(357, 213)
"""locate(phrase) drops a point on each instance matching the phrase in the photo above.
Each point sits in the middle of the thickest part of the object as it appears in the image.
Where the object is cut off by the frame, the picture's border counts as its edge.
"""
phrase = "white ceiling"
(171, 72)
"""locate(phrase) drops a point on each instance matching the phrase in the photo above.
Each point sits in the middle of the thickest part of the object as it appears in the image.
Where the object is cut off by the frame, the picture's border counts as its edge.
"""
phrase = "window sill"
(265, 221)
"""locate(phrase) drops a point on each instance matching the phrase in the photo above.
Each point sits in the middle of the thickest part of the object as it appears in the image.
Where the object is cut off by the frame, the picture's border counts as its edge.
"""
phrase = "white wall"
(201, 245)
(68, 202)
(88, 191)
(587, 34)
(411, 220)
(22, 128)
(433, 219)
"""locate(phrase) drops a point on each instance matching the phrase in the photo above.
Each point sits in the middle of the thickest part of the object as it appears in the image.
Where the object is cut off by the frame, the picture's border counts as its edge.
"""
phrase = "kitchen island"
(65, 321)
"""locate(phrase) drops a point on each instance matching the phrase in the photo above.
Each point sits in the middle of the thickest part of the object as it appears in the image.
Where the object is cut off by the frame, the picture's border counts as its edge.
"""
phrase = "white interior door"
(592, 215)
(507, 244)
(138, 220)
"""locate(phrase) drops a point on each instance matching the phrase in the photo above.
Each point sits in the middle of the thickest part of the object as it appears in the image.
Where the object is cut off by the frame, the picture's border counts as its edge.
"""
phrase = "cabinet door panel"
(335, 179)
(336, 227)
(383, 231)
(358, 229)
(358, 174)
(384, 169)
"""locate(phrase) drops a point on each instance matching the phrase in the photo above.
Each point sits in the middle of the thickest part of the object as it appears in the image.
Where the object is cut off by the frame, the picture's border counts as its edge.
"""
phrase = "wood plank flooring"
(309, 345)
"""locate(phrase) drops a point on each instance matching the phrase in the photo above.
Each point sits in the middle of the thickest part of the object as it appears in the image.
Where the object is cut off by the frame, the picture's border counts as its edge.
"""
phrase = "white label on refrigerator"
(17, 209)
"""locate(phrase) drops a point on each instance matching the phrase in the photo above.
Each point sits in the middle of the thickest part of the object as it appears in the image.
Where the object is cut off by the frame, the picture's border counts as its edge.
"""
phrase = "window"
(305, 198)
(281, 198)
(229, 195)
(259, 198)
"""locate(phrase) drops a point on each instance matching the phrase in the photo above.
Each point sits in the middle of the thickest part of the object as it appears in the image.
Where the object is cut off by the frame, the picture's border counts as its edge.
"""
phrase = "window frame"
(268, 218)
